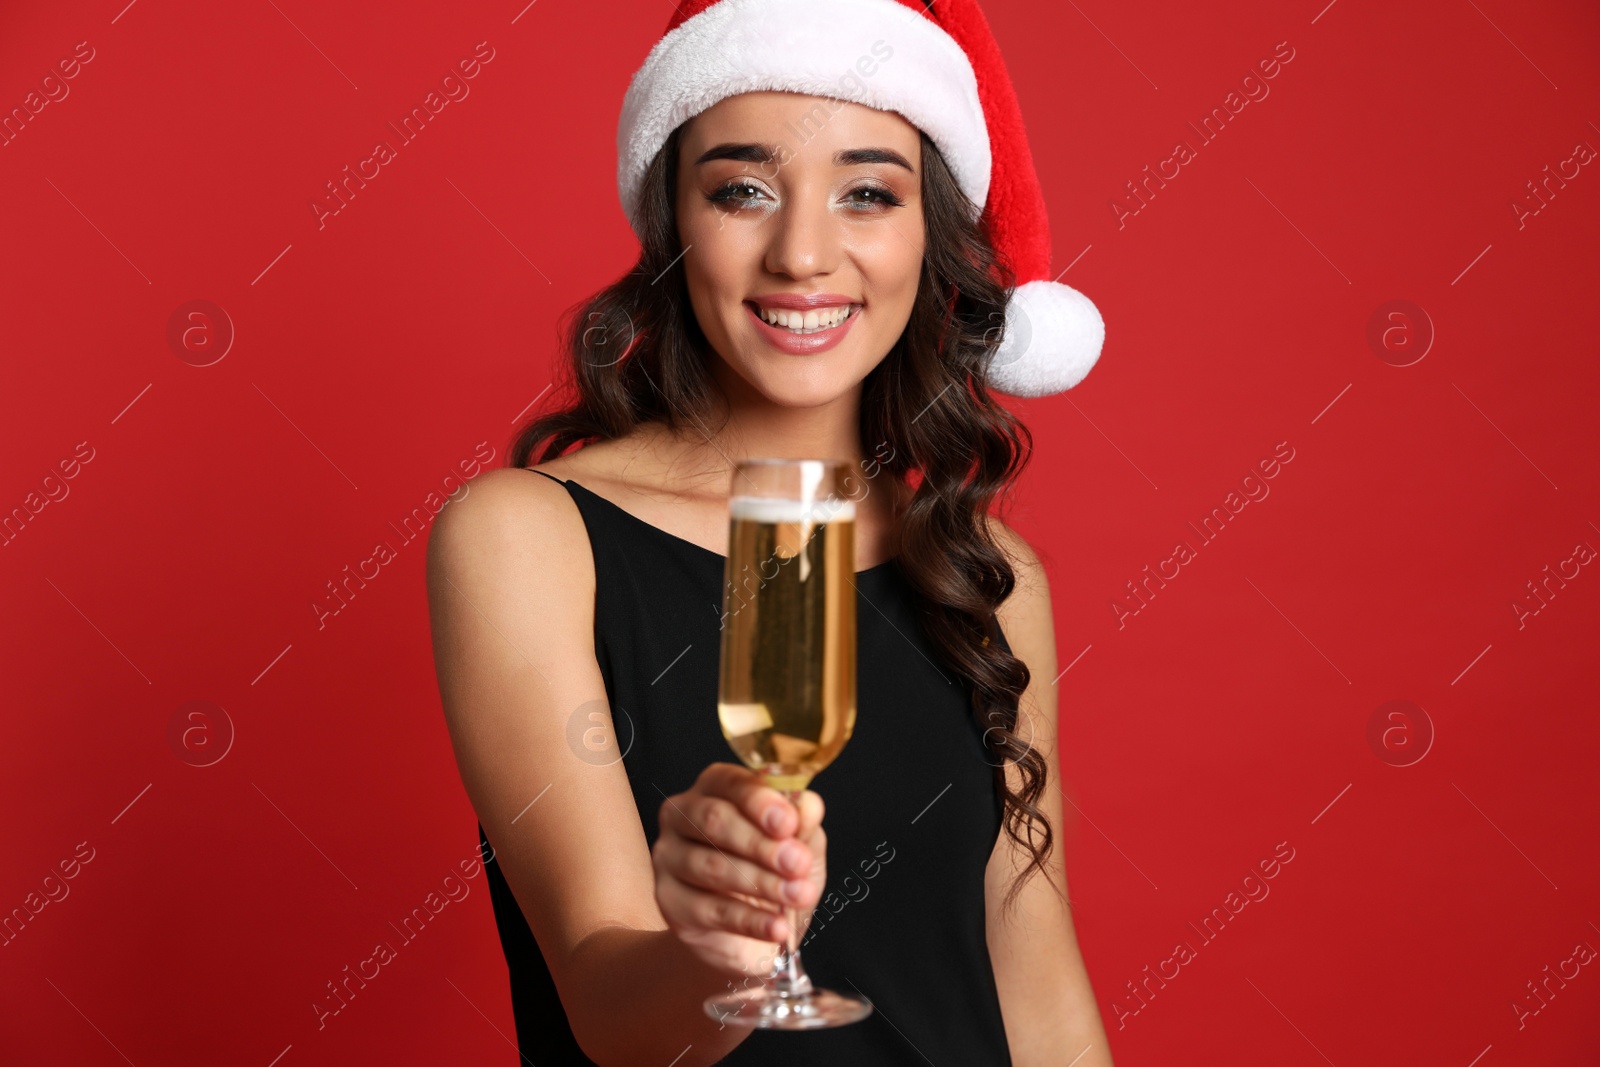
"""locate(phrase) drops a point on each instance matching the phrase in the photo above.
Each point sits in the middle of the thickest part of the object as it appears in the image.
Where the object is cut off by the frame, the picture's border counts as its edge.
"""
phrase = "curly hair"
(635, 354)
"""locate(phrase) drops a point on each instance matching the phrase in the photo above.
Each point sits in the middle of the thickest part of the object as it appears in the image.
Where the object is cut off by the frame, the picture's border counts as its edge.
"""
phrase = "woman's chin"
(798, 382)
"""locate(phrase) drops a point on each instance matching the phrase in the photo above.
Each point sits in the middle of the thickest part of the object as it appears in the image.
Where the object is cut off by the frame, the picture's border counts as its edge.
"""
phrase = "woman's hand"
(732, 856)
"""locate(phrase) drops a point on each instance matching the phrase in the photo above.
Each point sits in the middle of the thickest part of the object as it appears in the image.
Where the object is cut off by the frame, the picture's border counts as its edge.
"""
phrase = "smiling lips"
(803, 325)
(808, 321)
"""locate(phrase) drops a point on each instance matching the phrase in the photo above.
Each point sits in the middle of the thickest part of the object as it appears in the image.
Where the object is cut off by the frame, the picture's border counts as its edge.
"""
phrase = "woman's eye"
(741, 193)
(874, 195)
(732, 193)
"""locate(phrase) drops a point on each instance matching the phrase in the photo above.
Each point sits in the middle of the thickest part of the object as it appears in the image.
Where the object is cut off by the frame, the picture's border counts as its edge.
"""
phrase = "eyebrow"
(766, 153)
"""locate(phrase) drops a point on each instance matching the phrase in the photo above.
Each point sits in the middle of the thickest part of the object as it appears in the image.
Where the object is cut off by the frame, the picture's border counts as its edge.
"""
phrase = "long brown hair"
(635, 354)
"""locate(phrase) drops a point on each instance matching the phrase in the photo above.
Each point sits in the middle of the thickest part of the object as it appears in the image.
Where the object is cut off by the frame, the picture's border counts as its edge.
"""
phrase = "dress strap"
(552, 477)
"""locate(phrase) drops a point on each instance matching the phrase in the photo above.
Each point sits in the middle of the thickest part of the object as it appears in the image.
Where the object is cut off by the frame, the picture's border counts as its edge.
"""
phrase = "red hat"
(938, 65)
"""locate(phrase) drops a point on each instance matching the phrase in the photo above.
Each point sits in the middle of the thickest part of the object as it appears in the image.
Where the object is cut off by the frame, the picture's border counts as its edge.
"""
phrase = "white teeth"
(810, 321)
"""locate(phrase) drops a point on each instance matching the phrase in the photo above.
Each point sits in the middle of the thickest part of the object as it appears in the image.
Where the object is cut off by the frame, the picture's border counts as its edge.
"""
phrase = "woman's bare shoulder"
(516, 524)
(516, 506)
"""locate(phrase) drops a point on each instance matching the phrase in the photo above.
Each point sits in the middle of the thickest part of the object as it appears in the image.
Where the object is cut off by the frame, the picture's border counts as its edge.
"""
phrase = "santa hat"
(936, 64)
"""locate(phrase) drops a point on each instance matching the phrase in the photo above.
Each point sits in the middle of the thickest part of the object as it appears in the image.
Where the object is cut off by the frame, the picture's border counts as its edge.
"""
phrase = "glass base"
(766, 1009)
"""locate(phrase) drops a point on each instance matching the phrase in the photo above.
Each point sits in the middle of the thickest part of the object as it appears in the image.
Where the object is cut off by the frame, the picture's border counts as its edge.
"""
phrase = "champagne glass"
(787, 687)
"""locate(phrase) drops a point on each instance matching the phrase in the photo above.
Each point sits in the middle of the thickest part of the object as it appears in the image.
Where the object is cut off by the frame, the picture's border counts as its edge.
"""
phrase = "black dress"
(913, 810)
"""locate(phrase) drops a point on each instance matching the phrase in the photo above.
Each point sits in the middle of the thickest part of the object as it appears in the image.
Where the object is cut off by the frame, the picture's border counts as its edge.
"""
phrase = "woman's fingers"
(763, 805)
(686, 907)
(708, 868)
(733, 854)
(719, 822)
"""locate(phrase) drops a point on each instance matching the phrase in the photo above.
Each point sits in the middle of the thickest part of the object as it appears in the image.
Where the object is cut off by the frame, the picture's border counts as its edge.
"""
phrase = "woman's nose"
(804, 240)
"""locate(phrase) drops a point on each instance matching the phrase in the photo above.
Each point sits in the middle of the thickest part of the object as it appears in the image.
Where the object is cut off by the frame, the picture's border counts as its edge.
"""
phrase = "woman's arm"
(1048, 1004)
(511, 595)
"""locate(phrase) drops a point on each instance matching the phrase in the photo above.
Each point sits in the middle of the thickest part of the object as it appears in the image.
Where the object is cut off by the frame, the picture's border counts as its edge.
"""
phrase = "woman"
(814, 281)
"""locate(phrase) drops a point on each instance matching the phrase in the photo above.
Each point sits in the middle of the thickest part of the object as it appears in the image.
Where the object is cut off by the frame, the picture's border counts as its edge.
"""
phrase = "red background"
(1232, 713)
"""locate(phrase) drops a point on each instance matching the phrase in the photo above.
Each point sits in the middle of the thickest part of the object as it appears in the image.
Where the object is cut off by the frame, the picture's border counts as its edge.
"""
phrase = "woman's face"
(782, 199)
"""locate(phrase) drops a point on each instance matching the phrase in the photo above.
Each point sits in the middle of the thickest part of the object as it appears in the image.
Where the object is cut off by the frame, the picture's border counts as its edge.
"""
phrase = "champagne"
(787, 688)
(787, 698)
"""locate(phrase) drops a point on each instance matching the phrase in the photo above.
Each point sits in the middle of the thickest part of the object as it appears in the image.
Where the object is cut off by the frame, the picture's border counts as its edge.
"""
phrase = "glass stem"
(788, 977)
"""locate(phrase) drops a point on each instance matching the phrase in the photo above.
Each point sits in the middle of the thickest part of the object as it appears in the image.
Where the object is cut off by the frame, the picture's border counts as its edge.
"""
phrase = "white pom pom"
(1053, 336)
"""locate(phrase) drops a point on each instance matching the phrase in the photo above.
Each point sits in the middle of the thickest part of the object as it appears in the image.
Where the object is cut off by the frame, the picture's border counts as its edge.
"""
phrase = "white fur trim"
(812, 47)
(1053, 336)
